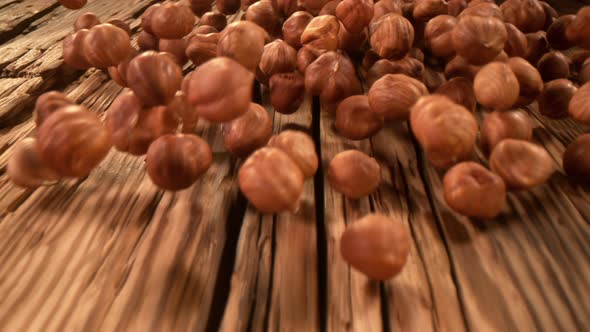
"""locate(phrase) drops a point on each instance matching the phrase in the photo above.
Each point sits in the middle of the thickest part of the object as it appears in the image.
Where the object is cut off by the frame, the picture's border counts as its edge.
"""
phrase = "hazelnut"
(147, 41)
(473, 191)
(147, 18)
(579, 105)
(244, 42)
(550, 14)
(529, 80)
(73, 50)
(72, 141)
(181, 109)
(355, 120)
(584, 75)
(106, 45)
(456, 6)
(287, 91)
(86, 21)
(248, 132)
(288, 7)
(578, 58)
(459, 67)
(305, 56)
(391, 36)
(121, 25)
(556, 33)
(433, 79)
(578, 31)
(228, 7)
(459, 90)
(496, 86)
(313, 6)
(417, 54)
(393, 95)
(438, 35)
(576, 163)
(516, 44)
(245, 4)
(277, 57)
(354, 174)
(385, 7)
(134, 128)
(376, 245)
(202, 48)
(73, 4)
(154, 77)
(330, 8)
(264, 15)
(321, 34)
(172, 20)
(434, 120)
(538, 45)
(521, 164)
(214, 19)
(294, 26)
(47, 104)
(119, 73)
(300, 147)
(220, 89)
(425, 10)
(201, 7)
(407, 66)
(500, 125)
(271, 180)
(369, 59)
(479, 39)
(526, 15)
(176, 47)
(355, 15)
(332, 77)
(555, 98)
(553, 65)
(176, 161)
(352, 43)
(484, 9)
(25, 167)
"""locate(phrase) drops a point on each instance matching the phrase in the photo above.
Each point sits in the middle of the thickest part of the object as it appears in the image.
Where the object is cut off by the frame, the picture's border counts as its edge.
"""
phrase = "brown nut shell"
(578, 31)
(500, 125)
(106, 45)
(49, 103)
(354, 174)
(391, 36)
(556, 34)
(408, 66)
(73, 50)
(584, 74)
(459, 67)
(393, 95)
(482, 8)
(227, 7)
(554, 65)
(172, 20)
(537, 45)
(214, 19)
(526, 15)
(438, 35)
(355, 15)
(579, 105)
(529, 80)
(479, 39)
(248, 132)
(244, 42)
(176, 47)
(332, 77)
(516, 43)
(460, 90)
(576, 159)
(264, 15)
(496, 86)
(73, 4)
(202, 48)
(287, 91)
(154, 77)
(300, 147)
(555, 99)
(147, 18)
(294, 26)
(321, 34)
(147, 41)
(278, 57)
(355, 120)
(86, 21)
(25, 167)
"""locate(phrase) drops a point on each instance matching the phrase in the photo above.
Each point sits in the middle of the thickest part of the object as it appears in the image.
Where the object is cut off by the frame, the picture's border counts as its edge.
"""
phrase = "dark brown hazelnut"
(183, 110)
(294, 27)
(550, 14)
(484, 9)
(385, 7)
(200, 7)
(526, 15)
(479, 39)
(391, 36)
(576, 163)
(579, 105)
(352, 43)
(49, 103)
(305, 56)
(556, 33)
(516, 44)
(72, 141)
(288, 7)
(228, 7)
(500, 125)
(521, 164)
(555, 98)
(300, 147)
(354, 174)
(417, 54)
(278, 57)
(407, 66)
(106, 45)
(438, 35)
(355, 120)
(578, 31)
(121, 25)
(330, 8)
(271, 180)
(176, 161)
(369, 59)
(248, 132)
(529, 79)
(154, 77)
(147, 41)
(172, 20)
(245, 4)
(321, 34)
(264, 15)
(577, 58)
(73, 50)
(147, 18)
(460, 90)
(433, 79)
(214, 19)
(584, 75)
(25, 167)
(434, 121)
(376, 245)
(244, 42)
(425, 10)
(473, 191)
(312, 6)
(73, 4)
(287, 91)
(202, 48)
(355, 15)
(496, 86)
(456, 6)
(86, 21)
(119, 73)
(538, 45)
(553, 65)
(176, 47)
(332, 77)
(393, 95)
(203, 30)
(459, 67)
(220, 89)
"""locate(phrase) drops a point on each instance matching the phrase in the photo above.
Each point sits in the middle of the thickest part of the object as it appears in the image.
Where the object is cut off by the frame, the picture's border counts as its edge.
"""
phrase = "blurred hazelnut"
(214, 19)
(538, 45)
(202, 48)
(407, 66)
(300, 147)
(459, 67)
(529, 80)
(516, 44)
(484, 9)
(106, 45)
(176, 47)
(500, 125)
(305, 56)
(119, 73)
(154, 77)
(73, 4)
(354, 174)
(200, 7)
(321, 34)
(479, 39)
(438, 35)
(556, 33)
(72, 141)
(73, 50)
(522, 165)
(391, 36)
(244, 42)
(121, 25)
(248, 132)
(550, 14)
(577, 58)
(147, 18)
(25, 167)
(369, 59)
(176, 161)
(352, 43)
(584, 75)
(496, 86)
(433, 79)
(425, 10)
(287, 91)
(288, 7)
(203, 30)
(86, 21)
(473, 191)
(576, 163)
(355, 120)
(277, 57)
(578, 31)
(332, 77)
(183, 110)
(434, 121)
(355, 15)
(228, 7)
(393, 95)
(271, 180)
(579, 105)
(376, 245)
(553, 65)
(312, 6)
(329, 8)
(555, 98)
(220, 89)
(147, 42)
(417, 54)
(456, 6)
(47, 104)
(294, 27)
(172, 20)
(526, 15)
(460, 91)
(384, 7)
(263, 14)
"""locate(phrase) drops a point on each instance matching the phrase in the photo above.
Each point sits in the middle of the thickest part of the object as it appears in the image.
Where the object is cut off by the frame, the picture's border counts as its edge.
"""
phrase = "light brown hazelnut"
(433, 79)
(407, 66)
(579, 105)
(484, 9)
(576, 163)
(526, 15)
(369, 59)
(516, 44)
(49, 103)
(391, 36)
(330, 8)
(73, 50)
(300, 147)
(183, 110)
(522, 165)
(553, 65)
(287, 91)
(556, 33)
(203, 30)
(288, 7)
(245, 4)
(384, 7)
(538, 45)
(332, 77)
(456, 6)
(220, 89)
(73, 4)
(473, 191)
(86, 21)
(434, 121)
(417, 54)
(244, 42)
(119, 73)
(584, 75)
(214, 19)
(321, 34)
(460, 90)
(264, 15)
(172, 20)
(176, 47)
(25, 167)
(425, 10)
(354, 174)
(72, 141)
(277, 57)
(393, 95)
(271, 180)
(459, 67)
(500, 125)
(496, 86)
(176, 161)
(248, 132)
(355, 15)
(106, 45)
(200, 7)
(376, 245)
(438, 35)
(313, 6)
(294, 26)
(228, 7)
(147, 18)
(555, 98)
(578, 31)
(147, 41)
(352, 43)
(529, 79)
(479, 39)
(154, 77)
(121, 25)
(202, 48)
(305, 56)
(355, 120)
(550, 14)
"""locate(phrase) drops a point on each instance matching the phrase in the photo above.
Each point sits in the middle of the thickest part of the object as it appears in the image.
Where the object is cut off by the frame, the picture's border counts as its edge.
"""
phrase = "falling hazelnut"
(176, 47)
(277, 57)
(321, 34)
(288, 7)
(496, 86)
(473, 191)
(426, 10)
(305, 56)
(526, 15)
(556, 34)
(354, 174)
(287, 91)
(553, 65)
(355, 120)
(73, 50)
(294, 26)
(330, 8)
(201, 7)
(407, 66)
(383, 8)
(264, 15)
(49, 103)
(227, 7)
(86, 21)
(482, 8)
(147, 41)
(172, 20)
(312, 6)
(529, 80)
(119, 73)
(121, 25)
(516, 42)
(355, 15)
(176, 161)
(500, 125)
(154, 77)
(271, 180)
(244, 42)
(479, 39)
(393, 95)
(459, 67)
(555, 98)
(332, 77)
(456, 6)
(522, 165)
(147, 18)
(25, 167)
(202, 48)
(214, 19)
(106, 45)
(376, 245)
(576, 163)
(438, 35)
(73, 4)
(183, 110)
(578, 31)
(352, 43)
(391, 36)
(248, 132)
(579, 105)
(459, 90)
(300, 147)
(203, 29)
(537, 45)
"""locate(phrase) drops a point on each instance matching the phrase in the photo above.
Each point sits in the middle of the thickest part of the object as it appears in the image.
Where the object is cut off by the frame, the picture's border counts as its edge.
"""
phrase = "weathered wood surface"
(112, 252)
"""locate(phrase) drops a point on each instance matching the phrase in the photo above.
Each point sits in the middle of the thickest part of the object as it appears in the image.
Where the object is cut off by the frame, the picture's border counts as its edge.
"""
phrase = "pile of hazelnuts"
(429, 62)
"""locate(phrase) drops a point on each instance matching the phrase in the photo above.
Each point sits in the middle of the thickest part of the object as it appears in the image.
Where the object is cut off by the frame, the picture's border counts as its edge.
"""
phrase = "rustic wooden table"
(112, 252)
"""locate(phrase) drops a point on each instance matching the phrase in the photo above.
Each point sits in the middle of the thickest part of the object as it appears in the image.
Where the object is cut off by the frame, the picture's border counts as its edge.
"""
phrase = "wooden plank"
(16, 16)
